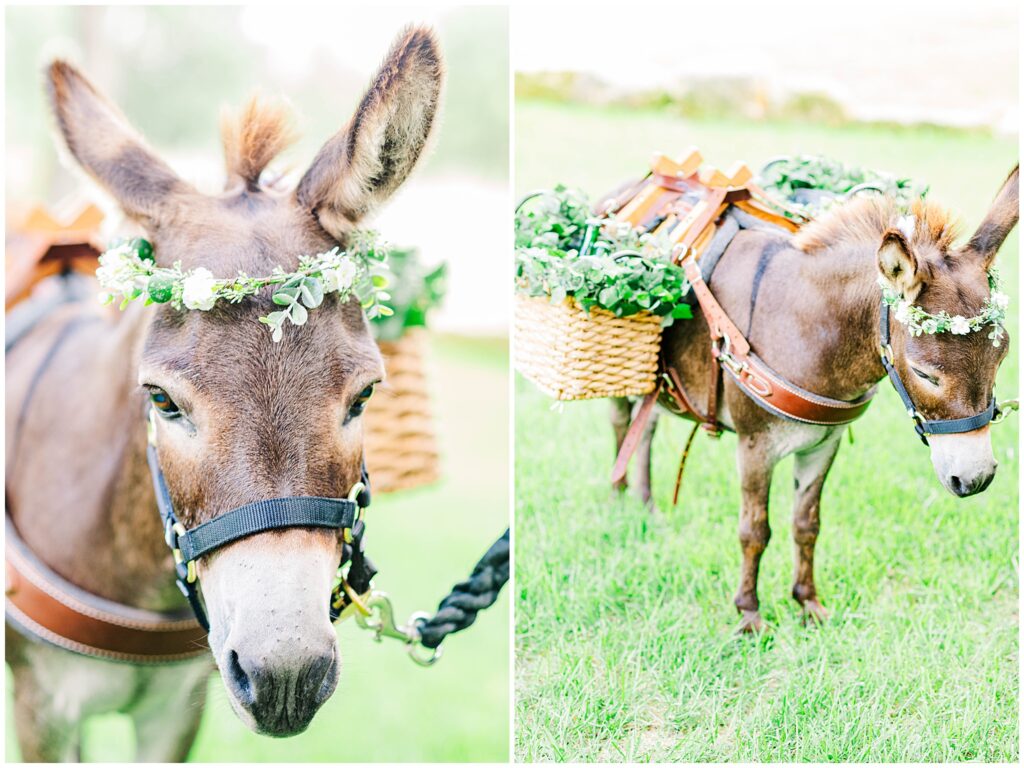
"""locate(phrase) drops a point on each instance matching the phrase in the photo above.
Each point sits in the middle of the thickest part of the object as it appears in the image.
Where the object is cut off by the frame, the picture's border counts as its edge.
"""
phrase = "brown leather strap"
(711, 422)
(42, 605)
(760, 382)
(669, 381)
(682, 464)
(634, 433)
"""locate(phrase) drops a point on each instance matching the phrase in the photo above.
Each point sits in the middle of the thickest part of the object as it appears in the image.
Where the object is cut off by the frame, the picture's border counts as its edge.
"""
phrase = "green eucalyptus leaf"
(312, 292)
(286, 296)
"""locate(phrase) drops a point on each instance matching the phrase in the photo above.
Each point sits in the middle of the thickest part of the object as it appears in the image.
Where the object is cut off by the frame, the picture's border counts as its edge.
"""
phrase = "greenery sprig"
(415, 290)
(919, 321)
(813, 183)
(563, 251)
(129, 271)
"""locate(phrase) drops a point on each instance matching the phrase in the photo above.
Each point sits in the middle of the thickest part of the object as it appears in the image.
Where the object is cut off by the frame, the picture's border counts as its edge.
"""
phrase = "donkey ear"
(898, 265)
(365, 162)
(106, 146)
(998, 222)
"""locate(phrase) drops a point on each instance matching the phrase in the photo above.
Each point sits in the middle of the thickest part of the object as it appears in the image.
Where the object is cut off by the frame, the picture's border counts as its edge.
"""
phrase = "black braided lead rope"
(459, 609)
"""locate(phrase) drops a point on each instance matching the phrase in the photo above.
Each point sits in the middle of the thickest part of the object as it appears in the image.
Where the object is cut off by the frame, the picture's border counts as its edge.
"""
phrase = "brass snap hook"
(380, 619)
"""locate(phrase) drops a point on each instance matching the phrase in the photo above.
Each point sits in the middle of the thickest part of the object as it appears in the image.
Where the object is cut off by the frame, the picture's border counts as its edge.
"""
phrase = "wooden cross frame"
(683, 200)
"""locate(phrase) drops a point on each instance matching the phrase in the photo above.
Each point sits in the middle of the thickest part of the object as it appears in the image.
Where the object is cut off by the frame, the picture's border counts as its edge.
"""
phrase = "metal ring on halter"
(1003, 410)
(353, 496)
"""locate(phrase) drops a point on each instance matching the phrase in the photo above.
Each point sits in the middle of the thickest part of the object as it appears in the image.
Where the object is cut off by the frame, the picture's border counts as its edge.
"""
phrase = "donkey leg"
(809, 471)
(621, 411)
(46, 734)
(643, 462)
(756, 464)
(167, 716)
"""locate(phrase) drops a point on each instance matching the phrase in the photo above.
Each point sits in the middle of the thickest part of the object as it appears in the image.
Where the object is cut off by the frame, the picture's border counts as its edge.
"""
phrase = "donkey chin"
(270, 630)
(964, 462)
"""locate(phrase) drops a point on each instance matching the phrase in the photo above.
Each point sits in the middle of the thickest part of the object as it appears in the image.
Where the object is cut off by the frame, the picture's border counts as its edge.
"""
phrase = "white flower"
(959, 325)
(199, 290)
(931, 325)
(340, 277)
(1000, 300)
(117, 269)
(906, 225)
(903, 312)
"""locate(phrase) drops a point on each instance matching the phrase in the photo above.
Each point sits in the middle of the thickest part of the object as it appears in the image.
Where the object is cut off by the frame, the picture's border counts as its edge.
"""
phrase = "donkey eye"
(926, 376)
(360, 403)
(162, 402)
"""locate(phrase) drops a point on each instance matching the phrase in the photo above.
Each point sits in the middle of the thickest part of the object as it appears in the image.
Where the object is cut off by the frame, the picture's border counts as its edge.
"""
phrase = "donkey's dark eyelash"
(358, 405)
(926, 376)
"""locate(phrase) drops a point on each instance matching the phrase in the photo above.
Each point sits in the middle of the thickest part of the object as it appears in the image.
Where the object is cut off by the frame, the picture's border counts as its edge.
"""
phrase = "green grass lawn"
(625, 644)
(386, 708)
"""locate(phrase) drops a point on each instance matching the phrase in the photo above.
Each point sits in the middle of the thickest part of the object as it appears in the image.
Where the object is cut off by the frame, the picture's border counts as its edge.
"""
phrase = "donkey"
(815, 318)
(241, 418)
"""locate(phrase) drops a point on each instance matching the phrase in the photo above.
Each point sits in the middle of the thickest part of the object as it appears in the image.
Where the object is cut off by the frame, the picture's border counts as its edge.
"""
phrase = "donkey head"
(950, 375)
(241, 418)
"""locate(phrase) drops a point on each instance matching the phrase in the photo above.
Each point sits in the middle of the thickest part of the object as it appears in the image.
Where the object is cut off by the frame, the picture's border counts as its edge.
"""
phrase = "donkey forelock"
(867, 218)
(253, 137)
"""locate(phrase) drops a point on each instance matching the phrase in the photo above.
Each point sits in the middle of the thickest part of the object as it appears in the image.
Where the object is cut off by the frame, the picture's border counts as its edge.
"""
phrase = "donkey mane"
(255, 136)
(866, 219)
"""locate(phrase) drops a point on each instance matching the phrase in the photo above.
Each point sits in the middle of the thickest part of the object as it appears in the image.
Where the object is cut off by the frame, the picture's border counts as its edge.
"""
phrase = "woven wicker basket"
(400, 442)
(571, 355)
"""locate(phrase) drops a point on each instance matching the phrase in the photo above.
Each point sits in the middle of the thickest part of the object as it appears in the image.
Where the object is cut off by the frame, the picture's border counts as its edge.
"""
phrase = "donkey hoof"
(751, 623)
(814, 613)
(651, 506)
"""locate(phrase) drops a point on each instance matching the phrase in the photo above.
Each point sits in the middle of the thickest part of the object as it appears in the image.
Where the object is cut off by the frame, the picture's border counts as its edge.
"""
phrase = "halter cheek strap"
(188, 546)
(923, 426)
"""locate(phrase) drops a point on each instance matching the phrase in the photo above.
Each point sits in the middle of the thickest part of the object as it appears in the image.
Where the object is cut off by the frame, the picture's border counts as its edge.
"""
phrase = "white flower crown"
(128, 270)
(918, 321)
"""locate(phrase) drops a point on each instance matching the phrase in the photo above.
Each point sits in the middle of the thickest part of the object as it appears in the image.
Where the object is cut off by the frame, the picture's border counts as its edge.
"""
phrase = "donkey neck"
(81, 494)
(814, 316)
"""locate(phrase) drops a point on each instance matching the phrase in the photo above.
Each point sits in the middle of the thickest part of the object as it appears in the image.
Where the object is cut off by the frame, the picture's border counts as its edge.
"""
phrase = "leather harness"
(731, 352)
(43, 606)
(922, 426)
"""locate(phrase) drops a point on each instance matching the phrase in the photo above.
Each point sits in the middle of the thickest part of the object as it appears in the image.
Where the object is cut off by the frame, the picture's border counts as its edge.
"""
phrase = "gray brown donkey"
(259, 420)
(815, 320)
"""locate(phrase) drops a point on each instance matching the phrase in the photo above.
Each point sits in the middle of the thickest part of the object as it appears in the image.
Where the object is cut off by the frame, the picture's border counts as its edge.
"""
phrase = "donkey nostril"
(958, 486)
(237, 679)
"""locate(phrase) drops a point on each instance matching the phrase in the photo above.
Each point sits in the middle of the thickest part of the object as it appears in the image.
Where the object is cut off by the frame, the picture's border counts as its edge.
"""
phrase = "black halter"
(269, 514)
(923, 426)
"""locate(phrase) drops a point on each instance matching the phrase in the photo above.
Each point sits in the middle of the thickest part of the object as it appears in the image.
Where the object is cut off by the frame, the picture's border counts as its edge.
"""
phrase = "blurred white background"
(881, 60)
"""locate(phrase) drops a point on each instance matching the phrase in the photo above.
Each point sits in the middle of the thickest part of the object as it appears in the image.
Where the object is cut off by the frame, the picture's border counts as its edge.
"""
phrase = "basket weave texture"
(399, 440)
(572, 355)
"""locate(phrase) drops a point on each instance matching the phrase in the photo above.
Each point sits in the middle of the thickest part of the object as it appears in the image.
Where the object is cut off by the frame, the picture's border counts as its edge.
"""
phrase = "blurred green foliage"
(415, 290)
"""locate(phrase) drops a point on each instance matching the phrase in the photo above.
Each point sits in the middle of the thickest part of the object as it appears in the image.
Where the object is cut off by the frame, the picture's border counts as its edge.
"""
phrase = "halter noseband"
(923, 426)
(265, 515)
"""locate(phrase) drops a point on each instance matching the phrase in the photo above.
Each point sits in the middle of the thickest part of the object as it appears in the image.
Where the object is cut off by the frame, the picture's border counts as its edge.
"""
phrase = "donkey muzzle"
(281, 698)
